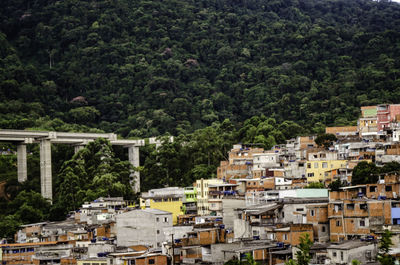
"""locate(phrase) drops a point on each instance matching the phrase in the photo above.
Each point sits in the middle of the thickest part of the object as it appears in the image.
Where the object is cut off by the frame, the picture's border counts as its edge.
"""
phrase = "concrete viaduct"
(78, 140)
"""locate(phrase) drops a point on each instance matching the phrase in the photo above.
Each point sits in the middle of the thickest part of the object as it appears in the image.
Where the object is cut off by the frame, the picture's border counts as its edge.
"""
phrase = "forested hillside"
(144, 68)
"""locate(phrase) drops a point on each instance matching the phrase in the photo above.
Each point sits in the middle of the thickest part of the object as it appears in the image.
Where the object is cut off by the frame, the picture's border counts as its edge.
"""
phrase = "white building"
(143, 227)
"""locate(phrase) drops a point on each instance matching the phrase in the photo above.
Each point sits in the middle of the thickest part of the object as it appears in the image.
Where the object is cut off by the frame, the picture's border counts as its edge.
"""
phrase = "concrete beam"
(45, 169)
(128, 143)
(133, 154)
(21, 163)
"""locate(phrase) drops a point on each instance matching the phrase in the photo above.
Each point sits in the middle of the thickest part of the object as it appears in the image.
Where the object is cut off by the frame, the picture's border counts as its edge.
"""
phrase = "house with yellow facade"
(320, 163)
(202, 187)
(166, 199)
(368, 122)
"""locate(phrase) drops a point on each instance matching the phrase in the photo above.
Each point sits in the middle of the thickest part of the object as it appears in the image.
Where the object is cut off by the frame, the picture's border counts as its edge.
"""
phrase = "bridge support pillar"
(45, 169)
(77, 148)
(133, 154)
(21, 163)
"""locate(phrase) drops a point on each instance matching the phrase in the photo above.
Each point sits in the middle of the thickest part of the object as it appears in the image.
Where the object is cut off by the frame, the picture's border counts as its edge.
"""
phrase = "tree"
(303, 256)
(384, 247)
(325, 140)
(91, 173)
(364, 173)
(315, 185)
(335, 185)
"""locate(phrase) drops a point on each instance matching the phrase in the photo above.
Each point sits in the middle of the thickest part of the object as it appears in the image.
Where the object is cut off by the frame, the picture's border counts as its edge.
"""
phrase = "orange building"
(342, 131)
(306, 142)
(291, 234)
(317, 215)
(353, 211)
(205, 236)
(151, 258)
(21, 253)
(239, 164)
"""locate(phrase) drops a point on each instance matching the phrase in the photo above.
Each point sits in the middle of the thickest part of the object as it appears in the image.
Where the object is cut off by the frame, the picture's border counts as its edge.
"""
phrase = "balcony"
(260, 221)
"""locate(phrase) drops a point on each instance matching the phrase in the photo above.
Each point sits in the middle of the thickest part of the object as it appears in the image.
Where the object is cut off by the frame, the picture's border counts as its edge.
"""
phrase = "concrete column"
(77, 148)
(45, 169)
(21, 162)
(133, 154)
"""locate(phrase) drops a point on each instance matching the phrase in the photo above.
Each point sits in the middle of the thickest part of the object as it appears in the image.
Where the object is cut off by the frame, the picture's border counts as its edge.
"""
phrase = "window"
(341, 255)
(312, 213)
(338, 223)
(363, 206)
(372, 189)
(158, 232)
(157, 219)
(362, 222)
(308, 165)
(158, 244)
(334, 253)
(255, 233)
(316, 165)
(338, 207)
(310, 175)
(165, 219)
(388, 188)
(285, 237)
(323, 229)
(152, 261)
(86, 263)
(300, 209)
(350, 206)
(324, 165)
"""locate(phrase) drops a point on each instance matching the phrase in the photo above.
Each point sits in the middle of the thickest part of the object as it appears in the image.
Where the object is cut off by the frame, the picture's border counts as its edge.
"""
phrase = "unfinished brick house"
(352, 215)
(317, 215)
(240, 163)
(290, 234)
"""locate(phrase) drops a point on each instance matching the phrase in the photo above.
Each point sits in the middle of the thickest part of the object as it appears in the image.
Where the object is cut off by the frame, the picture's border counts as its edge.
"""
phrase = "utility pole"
(173, 250)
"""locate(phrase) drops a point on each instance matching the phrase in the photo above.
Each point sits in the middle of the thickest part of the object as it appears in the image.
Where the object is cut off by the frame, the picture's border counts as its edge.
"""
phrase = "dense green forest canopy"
(144, 68)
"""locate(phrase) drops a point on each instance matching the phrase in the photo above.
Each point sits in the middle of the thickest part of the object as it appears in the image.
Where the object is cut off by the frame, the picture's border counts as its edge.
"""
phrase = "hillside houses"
(261, 202)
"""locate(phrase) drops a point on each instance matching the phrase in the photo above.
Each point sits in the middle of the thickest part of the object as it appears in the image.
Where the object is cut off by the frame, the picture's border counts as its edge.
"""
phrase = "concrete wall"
(177, 231)
(242, 229)
(95, 248)
(140, 227)
(295, 213)
(218, 254)
(351, 254)
(229, 213)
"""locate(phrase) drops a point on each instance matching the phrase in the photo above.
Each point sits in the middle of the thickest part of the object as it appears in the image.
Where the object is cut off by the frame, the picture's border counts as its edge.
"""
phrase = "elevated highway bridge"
(78, 140)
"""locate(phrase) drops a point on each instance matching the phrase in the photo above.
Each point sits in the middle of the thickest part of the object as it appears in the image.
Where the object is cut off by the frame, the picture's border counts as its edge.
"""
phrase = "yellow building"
(318, 170)
(166, 199)
(202, 194)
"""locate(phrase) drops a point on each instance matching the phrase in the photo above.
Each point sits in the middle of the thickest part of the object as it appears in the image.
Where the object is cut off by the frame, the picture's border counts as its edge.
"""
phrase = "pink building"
(386, 114)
